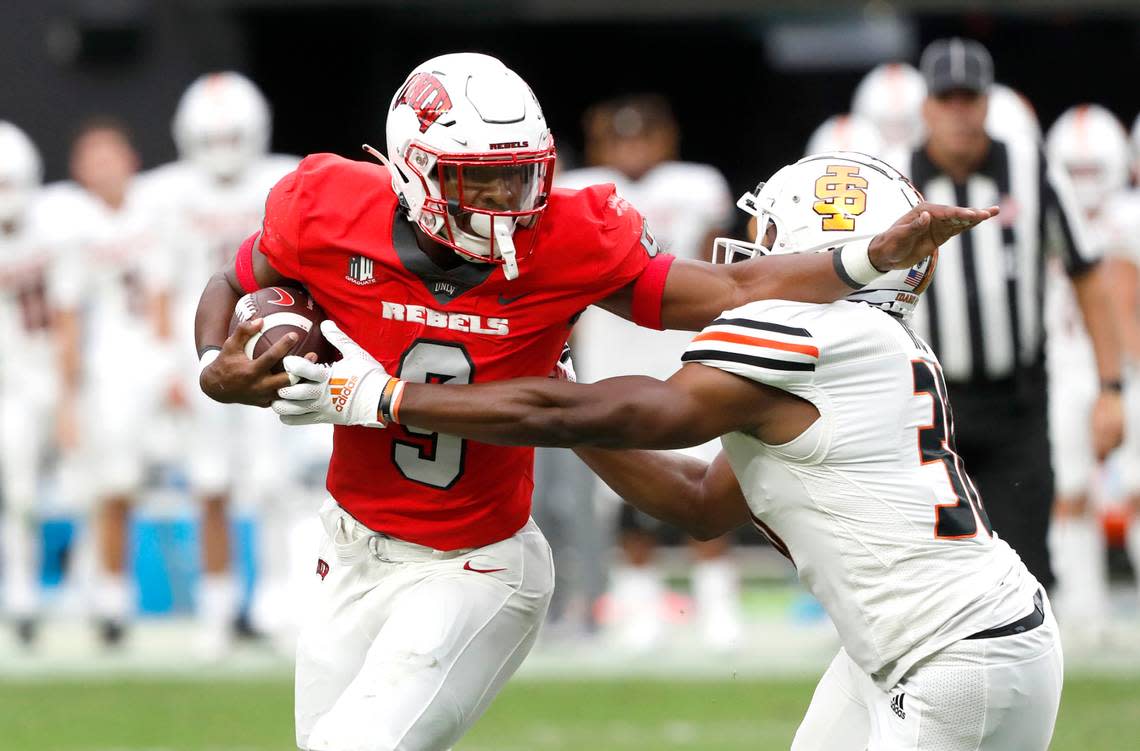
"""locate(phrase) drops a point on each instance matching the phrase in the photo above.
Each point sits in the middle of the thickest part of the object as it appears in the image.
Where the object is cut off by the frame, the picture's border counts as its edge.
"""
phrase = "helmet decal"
(842, 196)
(425, 94)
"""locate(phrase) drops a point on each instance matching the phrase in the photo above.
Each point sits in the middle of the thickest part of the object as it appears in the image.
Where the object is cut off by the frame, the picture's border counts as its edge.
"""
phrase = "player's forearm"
(696, 293)
(627, 412)
(672, 487)
(70, 363)
(215, 309)
(1093, 297)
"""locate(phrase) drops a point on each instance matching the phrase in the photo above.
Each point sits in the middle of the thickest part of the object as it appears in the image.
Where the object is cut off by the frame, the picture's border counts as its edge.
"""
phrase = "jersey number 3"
(952, 521)
(436, 459)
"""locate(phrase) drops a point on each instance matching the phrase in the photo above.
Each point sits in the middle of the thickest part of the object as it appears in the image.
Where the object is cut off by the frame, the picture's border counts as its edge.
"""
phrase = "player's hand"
(1107, 423)
(233, 378)
(920, 231)
(346, 392)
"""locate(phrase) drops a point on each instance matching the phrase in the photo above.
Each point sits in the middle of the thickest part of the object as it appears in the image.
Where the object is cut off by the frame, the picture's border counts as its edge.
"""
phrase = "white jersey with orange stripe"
(871, 502)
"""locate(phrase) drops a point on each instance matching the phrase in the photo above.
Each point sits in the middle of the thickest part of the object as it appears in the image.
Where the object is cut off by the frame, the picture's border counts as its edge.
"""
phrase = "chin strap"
(506, 245)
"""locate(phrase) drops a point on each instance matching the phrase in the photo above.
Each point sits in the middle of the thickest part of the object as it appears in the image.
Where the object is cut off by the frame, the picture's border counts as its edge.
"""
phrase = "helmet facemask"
(474, 202)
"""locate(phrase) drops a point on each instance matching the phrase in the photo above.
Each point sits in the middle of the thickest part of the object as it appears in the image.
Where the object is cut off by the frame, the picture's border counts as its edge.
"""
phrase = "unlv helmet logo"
(425, 94)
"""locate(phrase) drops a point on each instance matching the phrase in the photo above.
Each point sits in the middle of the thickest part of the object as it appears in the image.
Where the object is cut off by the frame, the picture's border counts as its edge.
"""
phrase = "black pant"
(1003, 438)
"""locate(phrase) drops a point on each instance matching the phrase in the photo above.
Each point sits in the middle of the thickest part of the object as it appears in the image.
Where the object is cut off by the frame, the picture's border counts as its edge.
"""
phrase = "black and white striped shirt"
(982, 314)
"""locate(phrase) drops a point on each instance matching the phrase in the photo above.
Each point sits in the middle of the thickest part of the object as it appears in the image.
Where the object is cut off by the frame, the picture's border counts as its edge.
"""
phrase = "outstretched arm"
(695, 292)
(701, 498)
(698, 403)
(624, 412)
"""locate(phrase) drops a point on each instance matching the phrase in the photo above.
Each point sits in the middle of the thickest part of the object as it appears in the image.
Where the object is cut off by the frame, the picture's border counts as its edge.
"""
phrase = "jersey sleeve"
(283, 238)
(614, 240)
(766, 341)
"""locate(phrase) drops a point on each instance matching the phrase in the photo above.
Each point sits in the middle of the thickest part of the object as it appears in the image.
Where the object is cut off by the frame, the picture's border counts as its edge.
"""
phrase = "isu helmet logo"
(425, 94)
(842, 196)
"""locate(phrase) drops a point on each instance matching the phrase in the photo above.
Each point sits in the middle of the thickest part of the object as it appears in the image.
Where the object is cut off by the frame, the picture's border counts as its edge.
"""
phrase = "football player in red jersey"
(459, 264)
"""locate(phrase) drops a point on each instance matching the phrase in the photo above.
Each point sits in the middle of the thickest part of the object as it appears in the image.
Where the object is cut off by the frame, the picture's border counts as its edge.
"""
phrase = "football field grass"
(608, 715)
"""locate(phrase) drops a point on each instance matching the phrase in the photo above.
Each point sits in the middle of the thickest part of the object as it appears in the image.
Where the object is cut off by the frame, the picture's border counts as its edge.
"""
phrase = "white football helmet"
(845, 133)
(891, 97)
(21, 172)
(825, 202)
(1092, 146)
(1010, 116)
(222, 124)
(471, 156)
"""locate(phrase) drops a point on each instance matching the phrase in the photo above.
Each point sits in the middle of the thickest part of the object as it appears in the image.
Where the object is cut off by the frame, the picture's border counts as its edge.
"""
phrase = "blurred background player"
(28, 368)
(634, 143)
(890, 98)
(212, 198)
(982, 314)
(846, 132)
(1011, 118)
(1123, 247)
(1092, 147)
(112, 284)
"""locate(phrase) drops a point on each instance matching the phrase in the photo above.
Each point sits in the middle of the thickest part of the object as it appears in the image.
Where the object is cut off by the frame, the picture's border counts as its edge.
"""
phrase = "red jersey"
(334, 225)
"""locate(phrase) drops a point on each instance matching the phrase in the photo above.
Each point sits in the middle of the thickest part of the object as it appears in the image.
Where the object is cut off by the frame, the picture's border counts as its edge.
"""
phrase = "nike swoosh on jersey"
(467, 567)
(504, 300)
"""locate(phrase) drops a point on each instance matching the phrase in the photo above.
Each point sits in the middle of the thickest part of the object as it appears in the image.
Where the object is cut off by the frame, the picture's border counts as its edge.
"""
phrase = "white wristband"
(208, 357)
(857, 264)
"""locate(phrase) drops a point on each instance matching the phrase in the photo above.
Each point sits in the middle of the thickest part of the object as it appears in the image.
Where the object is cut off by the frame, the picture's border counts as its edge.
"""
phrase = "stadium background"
(749, 82)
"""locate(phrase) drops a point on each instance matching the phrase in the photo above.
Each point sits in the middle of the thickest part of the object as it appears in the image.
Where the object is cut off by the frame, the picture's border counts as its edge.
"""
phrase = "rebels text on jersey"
(334, 225)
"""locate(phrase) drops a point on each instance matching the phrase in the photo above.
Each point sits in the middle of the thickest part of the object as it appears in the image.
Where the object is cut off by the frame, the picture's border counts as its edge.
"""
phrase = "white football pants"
(997, 694)
(405, 646)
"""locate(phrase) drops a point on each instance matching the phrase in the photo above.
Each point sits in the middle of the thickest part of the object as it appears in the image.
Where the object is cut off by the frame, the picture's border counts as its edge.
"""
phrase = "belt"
(1028, 623)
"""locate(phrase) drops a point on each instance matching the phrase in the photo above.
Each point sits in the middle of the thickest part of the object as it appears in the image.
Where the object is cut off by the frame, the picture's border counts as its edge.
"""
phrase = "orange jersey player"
(459, 264)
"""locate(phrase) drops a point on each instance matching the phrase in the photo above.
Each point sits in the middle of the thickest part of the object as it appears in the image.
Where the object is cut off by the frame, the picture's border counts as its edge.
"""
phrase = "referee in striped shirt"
(983, 312)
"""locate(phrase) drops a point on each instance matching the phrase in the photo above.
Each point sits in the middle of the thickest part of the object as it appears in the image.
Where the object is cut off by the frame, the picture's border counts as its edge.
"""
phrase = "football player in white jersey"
(633, 142)
(839, 446)
(213, 198)
(1122, 244)
(1092, 146)
(26, 403)
(890, 97)
(846, 132)
(111, 280)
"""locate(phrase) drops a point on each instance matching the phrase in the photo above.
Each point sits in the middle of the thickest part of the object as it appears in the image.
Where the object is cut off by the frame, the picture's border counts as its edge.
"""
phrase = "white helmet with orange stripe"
(891, 97)
(20, 172)
(846, 133)
(222, 124)
(1010, 116)
(1092, 146)
(825, 202)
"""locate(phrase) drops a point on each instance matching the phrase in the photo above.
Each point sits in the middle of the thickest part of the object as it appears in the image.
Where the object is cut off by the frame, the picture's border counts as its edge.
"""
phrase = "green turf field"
(235, 715)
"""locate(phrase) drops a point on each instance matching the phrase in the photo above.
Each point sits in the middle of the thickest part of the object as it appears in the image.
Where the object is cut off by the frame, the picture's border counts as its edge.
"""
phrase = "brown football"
(284, 310)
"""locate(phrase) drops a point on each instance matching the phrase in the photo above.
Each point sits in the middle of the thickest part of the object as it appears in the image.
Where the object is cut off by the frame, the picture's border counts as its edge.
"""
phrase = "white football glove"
(346, 392)
(564, 368)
